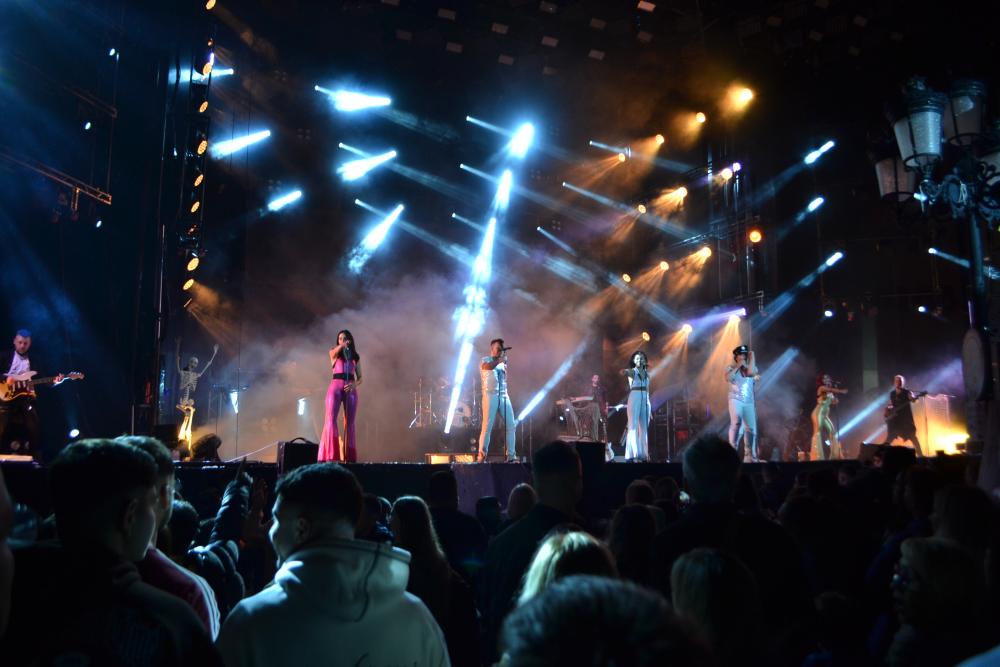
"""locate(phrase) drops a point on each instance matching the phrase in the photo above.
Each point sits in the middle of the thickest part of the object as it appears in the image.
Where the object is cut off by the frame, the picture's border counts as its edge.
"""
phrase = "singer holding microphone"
(497, 409)
(637, 408)
(826, 397)
(346, 366)
(742, 375)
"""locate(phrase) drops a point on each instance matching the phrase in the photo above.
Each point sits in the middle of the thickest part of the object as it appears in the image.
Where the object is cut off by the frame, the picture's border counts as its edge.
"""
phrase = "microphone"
(504, 349)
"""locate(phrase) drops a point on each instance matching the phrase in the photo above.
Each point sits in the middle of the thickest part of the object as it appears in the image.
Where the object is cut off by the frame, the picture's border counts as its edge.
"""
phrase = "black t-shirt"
(901, 414)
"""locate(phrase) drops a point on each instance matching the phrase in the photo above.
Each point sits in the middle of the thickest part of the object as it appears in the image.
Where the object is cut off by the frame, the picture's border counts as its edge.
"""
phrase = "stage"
(604, 483)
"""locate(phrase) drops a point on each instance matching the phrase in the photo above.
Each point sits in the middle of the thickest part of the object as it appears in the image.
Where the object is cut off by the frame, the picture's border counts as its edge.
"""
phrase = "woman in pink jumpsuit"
(343, 390)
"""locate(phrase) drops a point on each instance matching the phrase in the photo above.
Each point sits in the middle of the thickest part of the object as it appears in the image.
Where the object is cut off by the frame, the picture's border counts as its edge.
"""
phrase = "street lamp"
(941, 140)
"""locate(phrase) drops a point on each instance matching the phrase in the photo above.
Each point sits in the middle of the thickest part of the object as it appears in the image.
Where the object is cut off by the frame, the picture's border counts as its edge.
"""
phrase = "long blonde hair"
(563, 554)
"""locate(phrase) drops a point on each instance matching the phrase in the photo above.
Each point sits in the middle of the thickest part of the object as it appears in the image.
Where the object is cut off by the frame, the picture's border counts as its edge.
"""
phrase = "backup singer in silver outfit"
(637, 408)
(742, 375)
(493, 370)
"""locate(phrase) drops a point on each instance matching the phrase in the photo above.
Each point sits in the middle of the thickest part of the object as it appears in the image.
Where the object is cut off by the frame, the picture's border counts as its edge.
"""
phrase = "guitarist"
(15, 362)
(899, 415)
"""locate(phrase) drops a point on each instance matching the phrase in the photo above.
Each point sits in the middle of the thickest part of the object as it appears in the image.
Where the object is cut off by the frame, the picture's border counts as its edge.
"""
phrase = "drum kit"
(431, 401)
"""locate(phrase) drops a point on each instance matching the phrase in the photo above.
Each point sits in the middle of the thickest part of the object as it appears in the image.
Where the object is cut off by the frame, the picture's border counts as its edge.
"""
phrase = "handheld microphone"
(504, 349)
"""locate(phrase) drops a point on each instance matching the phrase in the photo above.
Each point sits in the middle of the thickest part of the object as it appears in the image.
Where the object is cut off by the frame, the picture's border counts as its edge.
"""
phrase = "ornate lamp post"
(943, 146)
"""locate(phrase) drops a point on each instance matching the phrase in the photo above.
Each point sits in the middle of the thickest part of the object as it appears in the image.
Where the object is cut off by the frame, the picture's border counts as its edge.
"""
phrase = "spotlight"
(921, 309)
(664, 266)
(195, 205)
(700, 117)
(203, 107)
(230, 146)
(112, 52)
(834, 258)
(522, 140)
(503, 190)
(98, 224)
(355, 169)
(348, 100)
(74, 433)
(744, 95)
(705, 252)
(660, 140)
(827, 313)
(681, 192)
(284, 200)
(199, 177)
(641, 208)
(932, 251)
(193, 263)
(87, 125)
(201, 142)
(726, 174)
(686, 328)
(206, 69)
(626, 277)
(734, 319)
(755, 236)
(737, 167)
(812, 156)
(621, 157)
(301, 408)
(645, 336)
(188, 284)
(815, 204)
(210, 5)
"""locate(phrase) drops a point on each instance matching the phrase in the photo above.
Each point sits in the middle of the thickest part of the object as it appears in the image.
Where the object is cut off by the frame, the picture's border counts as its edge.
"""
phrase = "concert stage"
(604, 483)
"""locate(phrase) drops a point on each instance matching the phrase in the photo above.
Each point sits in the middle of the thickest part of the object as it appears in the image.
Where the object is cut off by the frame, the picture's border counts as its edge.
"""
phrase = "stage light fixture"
(193, 263)
(621, 157)
(834, 258)
(734, 319)
(641, 208)
(195, 205)
(284, 200)
(74, 433)
(664, 265)
(626, 278)
(522, 140)
(827, 313)
(815, 204)
(932, 251)
(206, 69)
(355, 169)
(99, 223)
(686, 328)
(681, 192)
(660, 140)
(88, 125)
(700, 117)
(755, 236)
(726, 173)
(646, 337)
(705, 252)
(112, 52)
(230, 146)
(737, 167)
(301, 408)
(210, 5)
(921, 309)
(744, 95)
(188, 284)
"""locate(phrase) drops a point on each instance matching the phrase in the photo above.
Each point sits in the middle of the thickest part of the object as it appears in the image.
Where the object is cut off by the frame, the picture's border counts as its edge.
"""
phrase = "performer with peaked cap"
(742, 375)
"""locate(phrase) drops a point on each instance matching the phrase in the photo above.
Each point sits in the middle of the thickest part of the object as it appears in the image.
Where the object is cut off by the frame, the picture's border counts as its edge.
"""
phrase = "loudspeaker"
(296, 453)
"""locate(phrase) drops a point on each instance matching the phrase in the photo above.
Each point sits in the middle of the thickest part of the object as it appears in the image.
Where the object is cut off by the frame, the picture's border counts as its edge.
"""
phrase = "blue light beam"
(284, 200)
(553, 381)
(364, 250)
(522, 140)
(230, 146)
(349, 100)
(355, 169)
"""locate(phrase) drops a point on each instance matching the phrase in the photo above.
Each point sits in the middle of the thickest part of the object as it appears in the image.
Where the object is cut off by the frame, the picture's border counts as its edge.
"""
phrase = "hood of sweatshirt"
(345, 579)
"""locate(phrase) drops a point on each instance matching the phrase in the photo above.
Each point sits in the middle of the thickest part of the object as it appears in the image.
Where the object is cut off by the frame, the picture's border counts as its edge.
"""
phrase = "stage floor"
(604, 483)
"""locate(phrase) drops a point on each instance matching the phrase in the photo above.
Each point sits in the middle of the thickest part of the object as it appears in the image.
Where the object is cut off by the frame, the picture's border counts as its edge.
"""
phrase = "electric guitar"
(25, 383)
(891, 412)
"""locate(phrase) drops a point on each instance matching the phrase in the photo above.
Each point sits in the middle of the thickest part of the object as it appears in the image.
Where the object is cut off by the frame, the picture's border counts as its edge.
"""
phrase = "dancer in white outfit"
(637, 408)
(741, 375)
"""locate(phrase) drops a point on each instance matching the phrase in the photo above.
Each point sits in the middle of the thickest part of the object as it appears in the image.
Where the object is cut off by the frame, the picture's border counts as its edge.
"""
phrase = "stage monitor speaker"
(296, 453)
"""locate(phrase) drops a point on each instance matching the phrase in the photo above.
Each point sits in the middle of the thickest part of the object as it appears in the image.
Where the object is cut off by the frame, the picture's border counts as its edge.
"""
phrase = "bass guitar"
(24, 384)
(891, 412)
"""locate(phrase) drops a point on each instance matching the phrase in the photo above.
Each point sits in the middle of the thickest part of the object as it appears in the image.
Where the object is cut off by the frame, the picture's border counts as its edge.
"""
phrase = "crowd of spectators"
(894, 564)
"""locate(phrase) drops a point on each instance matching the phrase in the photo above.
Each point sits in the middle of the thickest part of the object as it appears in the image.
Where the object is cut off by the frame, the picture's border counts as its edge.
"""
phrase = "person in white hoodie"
(335, 600)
